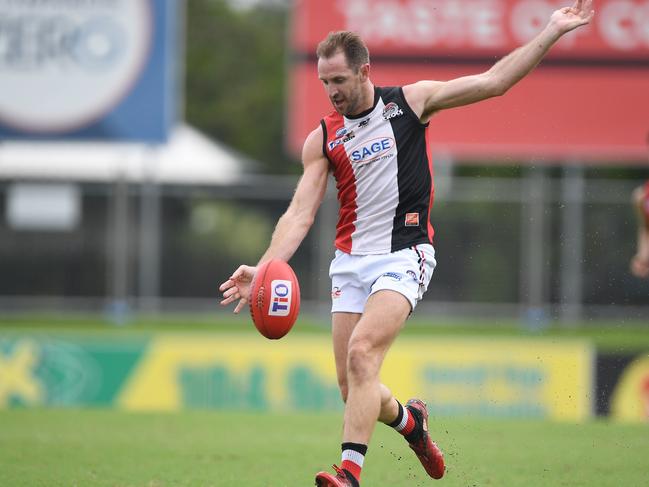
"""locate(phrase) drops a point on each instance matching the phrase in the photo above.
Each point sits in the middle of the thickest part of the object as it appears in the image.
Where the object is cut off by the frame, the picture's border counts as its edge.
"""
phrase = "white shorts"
(354, 278)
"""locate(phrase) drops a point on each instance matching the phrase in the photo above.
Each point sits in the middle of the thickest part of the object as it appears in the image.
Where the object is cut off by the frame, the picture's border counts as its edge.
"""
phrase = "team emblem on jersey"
(412, 219)
(391, 110)
(364, 123)
(341, 140)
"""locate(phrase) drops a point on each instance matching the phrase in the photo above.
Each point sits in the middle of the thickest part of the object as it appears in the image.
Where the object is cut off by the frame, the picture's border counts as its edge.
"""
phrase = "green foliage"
(214, 223)
(235, 78)
(475, 231)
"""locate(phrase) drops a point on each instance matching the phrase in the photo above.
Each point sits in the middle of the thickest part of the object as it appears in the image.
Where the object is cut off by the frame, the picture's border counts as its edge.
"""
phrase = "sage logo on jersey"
(280, 299)
(372, 151)
(391, 110)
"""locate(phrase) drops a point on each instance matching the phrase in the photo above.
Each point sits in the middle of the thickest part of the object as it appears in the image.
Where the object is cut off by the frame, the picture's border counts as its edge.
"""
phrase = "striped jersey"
(384, 176)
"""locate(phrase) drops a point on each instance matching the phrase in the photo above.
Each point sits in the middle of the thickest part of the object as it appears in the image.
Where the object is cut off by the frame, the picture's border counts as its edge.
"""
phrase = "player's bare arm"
(428, 97)
(640, 261)
(295, 223)
(292, 226)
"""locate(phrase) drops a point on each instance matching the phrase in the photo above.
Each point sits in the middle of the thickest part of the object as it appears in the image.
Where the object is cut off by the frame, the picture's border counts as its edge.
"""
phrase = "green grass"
(610, 336)
(70, 448)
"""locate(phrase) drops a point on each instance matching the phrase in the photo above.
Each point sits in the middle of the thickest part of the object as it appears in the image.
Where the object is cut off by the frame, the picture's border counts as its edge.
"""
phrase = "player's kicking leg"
(384, 315)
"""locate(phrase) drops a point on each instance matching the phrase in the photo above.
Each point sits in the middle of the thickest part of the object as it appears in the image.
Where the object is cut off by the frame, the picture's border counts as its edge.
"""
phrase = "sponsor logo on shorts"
(412, 219)
(392, 275)
(346, 138)
(412, 274)
(391, 111)
(336, 292)
(280, 299)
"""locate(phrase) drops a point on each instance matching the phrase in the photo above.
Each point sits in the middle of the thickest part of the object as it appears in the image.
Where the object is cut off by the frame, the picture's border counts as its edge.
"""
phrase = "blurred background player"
(375, 142)
(640, 261)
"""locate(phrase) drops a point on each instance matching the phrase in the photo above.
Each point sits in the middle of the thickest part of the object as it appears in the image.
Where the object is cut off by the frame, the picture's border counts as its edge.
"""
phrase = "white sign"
(64, 63)
(43, 206)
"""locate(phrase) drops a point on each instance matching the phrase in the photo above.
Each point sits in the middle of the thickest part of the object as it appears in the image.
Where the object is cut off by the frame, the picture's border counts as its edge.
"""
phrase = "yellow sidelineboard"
(456, 377)
(630, 400)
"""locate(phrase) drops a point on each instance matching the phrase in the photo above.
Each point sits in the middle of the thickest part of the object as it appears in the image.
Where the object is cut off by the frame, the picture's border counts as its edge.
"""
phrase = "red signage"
(472, 27)
(589, 99)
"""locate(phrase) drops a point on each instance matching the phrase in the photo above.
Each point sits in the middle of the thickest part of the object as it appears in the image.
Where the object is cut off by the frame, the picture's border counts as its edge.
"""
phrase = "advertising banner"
(631, 396)
(586, 102)
(170, 372)
(473, 28)
(88, 69)
(622, 388)
(65, 371)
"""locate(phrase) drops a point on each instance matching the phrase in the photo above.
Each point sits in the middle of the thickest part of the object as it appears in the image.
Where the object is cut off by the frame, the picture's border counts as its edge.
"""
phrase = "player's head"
(344, 68)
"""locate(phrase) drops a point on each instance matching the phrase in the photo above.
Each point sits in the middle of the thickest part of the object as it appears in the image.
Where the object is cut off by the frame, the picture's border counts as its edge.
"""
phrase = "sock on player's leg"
(353, 455)
(405, 422)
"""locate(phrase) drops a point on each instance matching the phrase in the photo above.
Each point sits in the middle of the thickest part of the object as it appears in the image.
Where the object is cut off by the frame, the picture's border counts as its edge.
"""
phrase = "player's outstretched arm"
(428, 97)
(292, 226)
(640, 261)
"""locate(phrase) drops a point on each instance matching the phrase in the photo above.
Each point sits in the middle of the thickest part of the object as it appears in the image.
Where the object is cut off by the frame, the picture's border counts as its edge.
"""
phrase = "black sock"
(359, 447)
(399, 416)
(418, 430)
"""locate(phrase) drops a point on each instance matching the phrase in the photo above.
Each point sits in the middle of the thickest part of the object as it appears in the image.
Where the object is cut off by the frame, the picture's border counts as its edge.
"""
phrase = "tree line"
(236, 73)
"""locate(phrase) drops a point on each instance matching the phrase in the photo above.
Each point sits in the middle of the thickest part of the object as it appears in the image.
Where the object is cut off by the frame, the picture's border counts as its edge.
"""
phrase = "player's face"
(342, 84)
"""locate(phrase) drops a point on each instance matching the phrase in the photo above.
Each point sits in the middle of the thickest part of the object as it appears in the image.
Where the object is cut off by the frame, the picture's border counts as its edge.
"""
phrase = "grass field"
(71, 448)
(95, 447)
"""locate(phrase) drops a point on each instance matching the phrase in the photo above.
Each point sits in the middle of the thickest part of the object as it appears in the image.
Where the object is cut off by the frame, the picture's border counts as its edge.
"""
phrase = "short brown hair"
(350, 43)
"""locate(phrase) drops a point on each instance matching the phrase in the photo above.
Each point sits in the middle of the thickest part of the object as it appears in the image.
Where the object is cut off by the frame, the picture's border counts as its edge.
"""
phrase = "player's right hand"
(237, 287)
(639, 267)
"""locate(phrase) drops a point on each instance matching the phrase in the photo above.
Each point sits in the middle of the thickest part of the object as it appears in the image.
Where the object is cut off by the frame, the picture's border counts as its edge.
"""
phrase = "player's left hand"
(237, 287)
(569, 18)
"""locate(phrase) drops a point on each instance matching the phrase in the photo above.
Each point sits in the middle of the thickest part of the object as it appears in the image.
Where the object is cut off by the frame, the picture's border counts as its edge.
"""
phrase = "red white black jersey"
(384, 176)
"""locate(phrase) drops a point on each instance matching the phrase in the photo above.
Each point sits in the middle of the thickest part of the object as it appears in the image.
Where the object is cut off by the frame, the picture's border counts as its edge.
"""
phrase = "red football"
(274, 299)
